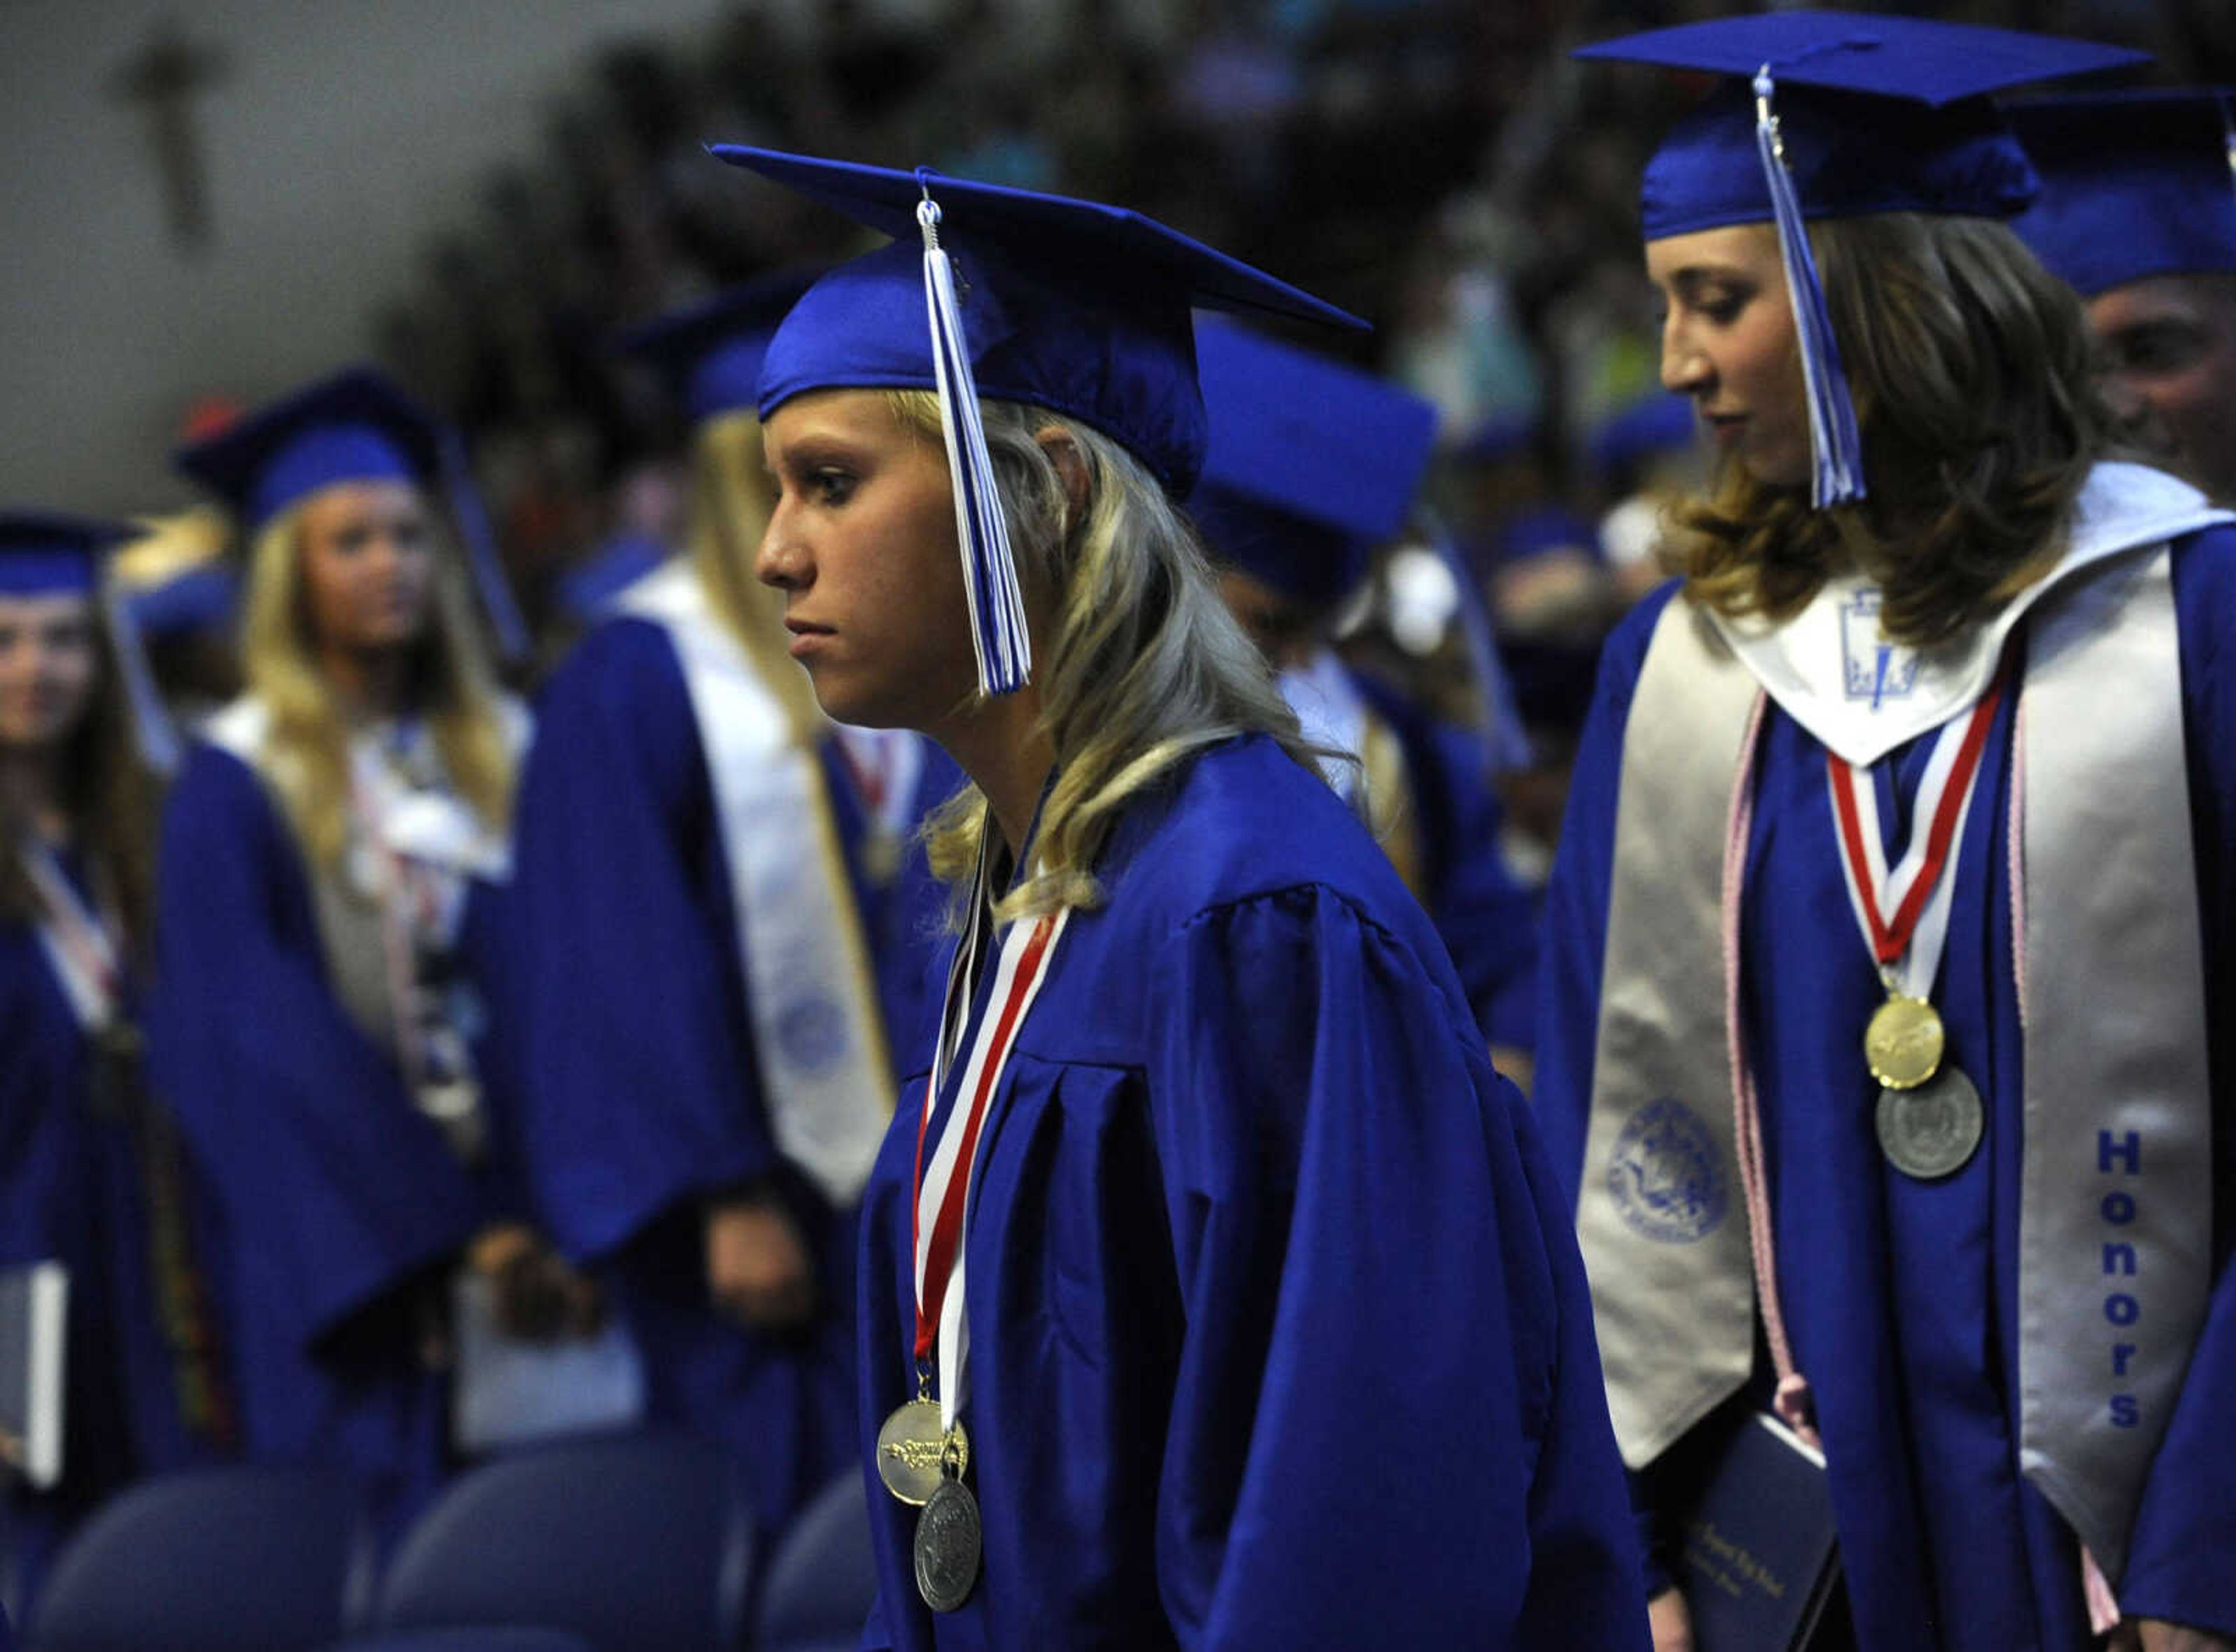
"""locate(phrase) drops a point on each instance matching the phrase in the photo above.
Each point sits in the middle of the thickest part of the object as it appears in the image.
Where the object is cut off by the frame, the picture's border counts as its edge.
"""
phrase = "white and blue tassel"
(989, 569)
(153, 731)
(1833, 437)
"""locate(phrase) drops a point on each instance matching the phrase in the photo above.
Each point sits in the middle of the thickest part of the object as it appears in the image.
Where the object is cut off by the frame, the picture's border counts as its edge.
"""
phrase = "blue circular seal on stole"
(812, 1033)
(1664, 1175)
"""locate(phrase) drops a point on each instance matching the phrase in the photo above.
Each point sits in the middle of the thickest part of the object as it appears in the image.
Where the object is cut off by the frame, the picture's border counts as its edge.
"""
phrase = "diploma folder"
(1758, 1559)
(506, 1392)
(34, 1327)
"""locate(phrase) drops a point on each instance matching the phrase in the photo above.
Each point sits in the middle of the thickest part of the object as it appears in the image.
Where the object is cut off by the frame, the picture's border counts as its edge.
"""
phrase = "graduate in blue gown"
(1313, 466)
(1215, 1290)
(331, 1015)
(726, 922)
(91, 1177)
(2009, 1323)
(2137, 216)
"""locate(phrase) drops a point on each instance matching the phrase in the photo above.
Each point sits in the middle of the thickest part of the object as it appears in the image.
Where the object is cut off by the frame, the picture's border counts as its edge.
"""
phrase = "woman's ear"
(1070, 467)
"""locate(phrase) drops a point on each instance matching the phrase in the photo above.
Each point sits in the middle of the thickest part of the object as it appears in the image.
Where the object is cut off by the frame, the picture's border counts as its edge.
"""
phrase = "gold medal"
(1903, 1042)
(911, 1447)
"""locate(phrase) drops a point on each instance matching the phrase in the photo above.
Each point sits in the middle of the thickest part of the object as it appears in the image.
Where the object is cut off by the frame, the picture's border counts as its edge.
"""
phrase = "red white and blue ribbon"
(946, 1162)
(80, 945)
(1903, 912)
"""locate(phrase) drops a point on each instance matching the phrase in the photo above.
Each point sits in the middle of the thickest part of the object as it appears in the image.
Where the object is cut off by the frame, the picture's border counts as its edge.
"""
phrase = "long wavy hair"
(732, 497)
(111, 797)
(1971, 367)
(1143, 668)
(451, 685)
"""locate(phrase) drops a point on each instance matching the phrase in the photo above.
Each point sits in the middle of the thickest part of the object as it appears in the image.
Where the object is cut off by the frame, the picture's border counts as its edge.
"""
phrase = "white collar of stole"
(1829, 669)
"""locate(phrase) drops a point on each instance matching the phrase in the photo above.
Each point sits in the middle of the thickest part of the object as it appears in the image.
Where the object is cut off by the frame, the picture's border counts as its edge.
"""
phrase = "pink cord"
(1792, 1402)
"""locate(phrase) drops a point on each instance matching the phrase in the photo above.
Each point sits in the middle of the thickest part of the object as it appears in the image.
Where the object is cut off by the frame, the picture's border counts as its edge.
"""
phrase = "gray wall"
(346, 133)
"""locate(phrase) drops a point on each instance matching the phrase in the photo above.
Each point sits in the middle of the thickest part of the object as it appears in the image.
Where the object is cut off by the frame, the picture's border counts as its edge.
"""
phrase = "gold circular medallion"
(1903, 1042)
(910, 1448)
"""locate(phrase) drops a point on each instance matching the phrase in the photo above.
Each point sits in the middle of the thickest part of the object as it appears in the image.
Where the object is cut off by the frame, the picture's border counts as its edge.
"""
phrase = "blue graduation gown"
(1278, 1335)
(1901, 1297)
(1488, 921)
(339, 1203)
(643, 1096)
(73, 1190)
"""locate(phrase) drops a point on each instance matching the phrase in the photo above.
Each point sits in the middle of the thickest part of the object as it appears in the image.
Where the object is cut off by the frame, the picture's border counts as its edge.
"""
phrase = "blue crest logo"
(1873, 669)
(812, 1033)
(1664, 1177)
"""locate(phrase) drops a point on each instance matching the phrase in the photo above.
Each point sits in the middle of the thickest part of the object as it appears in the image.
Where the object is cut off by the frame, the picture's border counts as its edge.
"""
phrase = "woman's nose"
(1684, 369)
(780, 560)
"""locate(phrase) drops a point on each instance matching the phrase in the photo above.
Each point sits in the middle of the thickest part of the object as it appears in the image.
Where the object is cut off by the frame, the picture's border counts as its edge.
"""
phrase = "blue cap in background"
(44, 553)
(2135, 185)
(1312, 464)
(710, 354)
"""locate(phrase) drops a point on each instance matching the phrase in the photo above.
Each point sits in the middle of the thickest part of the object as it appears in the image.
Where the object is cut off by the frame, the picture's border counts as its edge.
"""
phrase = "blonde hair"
(732, 496)
(1141, 669)
(1970, 369)
(308, 738)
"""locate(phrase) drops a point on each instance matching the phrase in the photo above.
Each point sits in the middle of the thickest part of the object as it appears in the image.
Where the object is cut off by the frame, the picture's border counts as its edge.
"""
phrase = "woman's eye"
(1723, 308)
(832, 487)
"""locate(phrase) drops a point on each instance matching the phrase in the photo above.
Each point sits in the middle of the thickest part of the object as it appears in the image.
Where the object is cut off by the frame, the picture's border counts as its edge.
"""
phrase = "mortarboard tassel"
(989, 569)
(152, 729)
(481, 550)
(1833, 437)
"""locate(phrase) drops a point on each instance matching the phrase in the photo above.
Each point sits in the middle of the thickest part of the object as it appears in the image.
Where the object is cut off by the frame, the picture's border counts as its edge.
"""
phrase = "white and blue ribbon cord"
(1834, 440)
(482, 555)
(998, 636)
(152, 728)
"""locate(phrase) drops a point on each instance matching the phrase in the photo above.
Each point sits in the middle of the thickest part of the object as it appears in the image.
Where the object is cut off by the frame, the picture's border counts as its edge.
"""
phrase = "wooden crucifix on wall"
(163, 78)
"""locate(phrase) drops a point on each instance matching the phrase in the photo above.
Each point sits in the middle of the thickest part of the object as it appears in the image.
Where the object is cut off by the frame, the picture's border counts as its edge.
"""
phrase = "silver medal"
(1931, 1131)
(947, 1547)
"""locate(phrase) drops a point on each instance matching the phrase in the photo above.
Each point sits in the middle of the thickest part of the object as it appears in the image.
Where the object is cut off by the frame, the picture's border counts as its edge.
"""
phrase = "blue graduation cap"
(355, 426)
(1081, 308)
(1839, 114)
(44, 553)
(2134, 185)
(710, 353)
(1658, 422)
(1312, 464)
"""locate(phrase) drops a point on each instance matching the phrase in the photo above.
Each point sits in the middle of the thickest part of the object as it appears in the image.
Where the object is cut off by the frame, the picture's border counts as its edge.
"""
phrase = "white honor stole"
(818, 1032)
(2116, 1221)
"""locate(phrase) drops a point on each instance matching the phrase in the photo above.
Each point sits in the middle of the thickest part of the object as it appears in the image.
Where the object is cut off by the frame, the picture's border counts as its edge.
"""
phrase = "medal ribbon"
(1904, 914)
(943, 1175)
(82, 948)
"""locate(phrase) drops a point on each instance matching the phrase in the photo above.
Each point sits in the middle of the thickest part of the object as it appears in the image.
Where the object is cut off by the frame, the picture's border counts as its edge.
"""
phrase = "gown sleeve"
(323, 1168)
(2184, 1530)
(1388, 1426)
(640, 1088)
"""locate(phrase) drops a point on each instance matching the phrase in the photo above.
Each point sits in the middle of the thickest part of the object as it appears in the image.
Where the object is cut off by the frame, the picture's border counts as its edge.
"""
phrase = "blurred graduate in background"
(726, 920)
(2138, 215)
(1312, 468)
(330, 1018)
(91, 1175)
